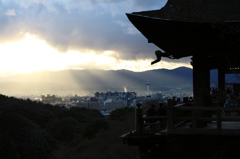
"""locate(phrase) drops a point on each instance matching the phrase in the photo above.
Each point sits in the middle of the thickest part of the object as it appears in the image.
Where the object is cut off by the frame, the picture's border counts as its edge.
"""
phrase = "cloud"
(127, 27)
(143, 4)
(10, 12)
(80, 25)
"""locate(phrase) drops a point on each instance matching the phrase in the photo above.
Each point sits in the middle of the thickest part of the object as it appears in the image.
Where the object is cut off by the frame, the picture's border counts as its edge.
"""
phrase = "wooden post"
(221, 79)
(194, 119)
(221, 87)
(219, 120)
(201, 87)
(170, 116)
(139, 120)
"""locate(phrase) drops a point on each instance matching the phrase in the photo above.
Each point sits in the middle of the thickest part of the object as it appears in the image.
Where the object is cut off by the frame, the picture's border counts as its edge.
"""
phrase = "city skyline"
(95, 80)
(56, 35)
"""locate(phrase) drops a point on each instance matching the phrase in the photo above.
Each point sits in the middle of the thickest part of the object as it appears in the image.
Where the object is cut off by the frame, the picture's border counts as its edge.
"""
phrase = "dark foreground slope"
(38, 131)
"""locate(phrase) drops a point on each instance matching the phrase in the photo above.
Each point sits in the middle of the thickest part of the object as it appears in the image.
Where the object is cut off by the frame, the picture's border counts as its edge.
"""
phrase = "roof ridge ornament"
(159, 54)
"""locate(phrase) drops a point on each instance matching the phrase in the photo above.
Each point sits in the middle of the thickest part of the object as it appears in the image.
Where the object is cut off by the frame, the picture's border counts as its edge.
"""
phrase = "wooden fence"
(185, 118)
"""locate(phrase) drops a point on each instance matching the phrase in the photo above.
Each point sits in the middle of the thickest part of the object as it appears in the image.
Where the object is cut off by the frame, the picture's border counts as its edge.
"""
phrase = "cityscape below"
(106, 101)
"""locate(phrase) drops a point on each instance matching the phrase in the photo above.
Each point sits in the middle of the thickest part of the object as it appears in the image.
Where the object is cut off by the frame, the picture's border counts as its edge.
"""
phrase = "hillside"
(32, 130)
(97, 80)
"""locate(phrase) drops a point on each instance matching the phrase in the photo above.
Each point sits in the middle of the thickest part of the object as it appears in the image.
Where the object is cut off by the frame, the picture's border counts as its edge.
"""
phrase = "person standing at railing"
(161, 111)
(151, 111)
(190, 99)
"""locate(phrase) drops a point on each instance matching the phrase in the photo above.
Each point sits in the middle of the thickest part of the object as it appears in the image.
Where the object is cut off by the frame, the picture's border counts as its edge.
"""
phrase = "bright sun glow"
(32, 54)
(27, 55)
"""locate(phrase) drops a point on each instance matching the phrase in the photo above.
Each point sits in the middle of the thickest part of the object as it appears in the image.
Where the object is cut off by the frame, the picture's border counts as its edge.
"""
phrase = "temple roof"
(192, 27)
(198, 10)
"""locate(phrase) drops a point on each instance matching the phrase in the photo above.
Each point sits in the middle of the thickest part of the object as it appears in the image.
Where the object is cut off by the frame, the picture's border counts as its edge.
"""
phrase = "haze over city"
(56, 35)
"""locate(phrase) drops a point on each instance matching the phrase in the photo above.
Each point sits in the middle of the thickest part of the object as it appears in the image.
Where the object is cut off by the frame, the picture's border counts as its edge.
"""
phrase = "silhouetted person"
(161, 111)
(190, 99)
(151, 111)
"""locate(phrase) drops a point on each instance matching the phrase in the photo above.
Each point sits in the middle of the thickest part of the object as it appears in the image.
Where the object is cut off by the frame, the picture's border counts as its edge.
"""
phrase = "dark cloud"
(150, 3)
(66, 26)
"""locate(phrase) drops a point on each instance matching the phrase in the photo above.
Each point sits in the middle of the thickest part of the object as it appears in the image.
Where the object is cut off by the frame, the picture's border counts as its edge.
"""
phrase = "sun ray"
(32, 54)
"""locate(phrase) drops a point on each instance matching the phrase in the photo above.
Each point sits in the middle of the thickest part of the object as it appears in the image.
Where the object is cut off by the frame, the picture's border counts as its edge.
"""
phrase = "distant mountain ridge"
(99, 80)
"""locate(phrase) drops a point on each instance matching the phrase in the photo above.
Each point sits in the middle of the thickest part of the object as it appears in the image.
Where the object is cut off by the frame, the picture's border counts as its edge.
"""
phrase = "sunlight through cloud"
(32, 54)
(145, 65)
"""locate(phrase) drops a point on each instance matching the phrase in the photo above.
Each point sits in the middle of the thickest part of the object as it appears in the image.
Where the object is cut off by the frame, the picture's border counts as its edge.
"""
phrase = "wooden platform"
(229, 125)
(183, 136)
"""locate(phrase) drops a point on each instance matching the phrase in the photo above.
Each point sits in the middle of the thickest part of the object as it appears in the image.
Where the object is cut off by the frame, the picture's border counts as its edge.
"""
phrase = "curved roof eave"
(185, 38)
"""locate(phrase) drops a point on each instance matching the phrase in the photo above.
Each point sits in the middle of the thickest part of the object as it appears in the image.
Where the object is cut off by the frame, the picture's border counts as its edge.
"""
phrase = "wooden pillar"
(170, 115)
(139, 120)
(221, 87)
(201, 86)
(221, 79)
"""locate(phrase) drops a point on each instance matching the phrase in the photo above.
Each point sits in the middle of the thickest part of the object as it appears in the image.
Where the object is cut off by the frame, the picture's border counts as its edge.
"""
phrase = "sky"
(55, 35)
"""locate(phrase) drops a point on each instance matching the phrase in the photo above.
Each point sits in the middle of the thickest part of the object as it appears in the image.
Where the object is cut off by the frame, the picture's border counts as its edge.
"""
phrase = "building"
(209, 33)
(89, 105)
(50, 99)
(113, 100)
(116, 95)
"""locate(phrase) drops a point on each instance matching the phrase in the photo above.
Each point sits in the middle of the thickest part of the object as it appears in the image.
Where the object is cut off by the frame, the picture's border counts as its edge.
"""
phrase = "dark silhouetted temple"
(208, 31)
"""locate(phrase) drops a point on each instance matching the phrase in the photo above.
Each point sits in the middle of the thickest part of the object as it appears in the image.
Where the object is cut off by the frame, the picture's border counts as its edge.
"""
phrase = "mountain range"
(97, 80)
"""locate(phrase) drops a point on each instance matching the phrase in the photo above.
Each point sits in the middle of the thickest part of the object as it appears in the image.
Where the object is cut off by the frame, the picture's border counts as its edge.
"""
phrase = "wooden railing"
(185, 118)
(153, 124)
(215, 120)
